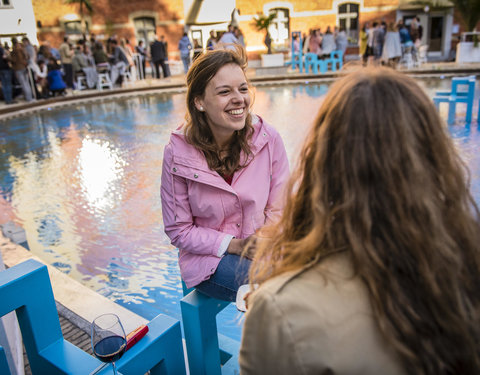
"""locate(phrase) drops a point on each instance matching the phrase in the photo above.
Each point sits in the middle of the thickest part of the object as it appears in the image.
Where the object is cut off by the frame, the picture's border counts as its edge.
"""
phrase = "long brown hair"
(197, 131)
(379, 180)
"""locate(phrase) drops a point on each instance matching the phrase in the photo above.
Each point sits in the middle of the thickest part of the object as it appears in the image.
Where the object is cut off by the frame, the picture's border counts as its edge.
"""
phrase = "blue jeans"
(231, 273)
(7, 88)
(186, 62)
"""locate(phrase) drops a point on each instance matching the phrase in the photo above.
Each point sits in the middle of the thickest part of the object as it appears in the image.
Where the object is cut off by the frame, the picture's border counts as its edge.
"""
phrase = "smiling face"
(226, 102)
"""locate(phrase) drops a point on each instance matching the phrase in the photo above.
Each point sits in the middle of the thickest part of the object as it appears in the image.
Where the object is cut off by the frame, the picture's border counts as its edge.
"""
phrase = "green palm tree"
(262, 23)
(83, 4)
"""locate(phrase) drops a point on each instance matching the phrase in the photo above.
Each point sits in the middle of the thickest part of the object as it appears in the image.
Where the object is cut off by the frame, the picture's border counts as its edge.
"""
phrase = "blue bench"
(208, 352)
(463, 91)
(26, 289)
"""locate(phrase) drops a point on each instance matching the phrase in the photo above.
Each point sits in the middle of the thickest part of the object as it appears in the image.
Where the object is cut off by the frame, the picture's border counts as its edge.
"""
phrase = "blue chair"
(463, 91)
(26, 289)
(208, 352)
(311, 62)
(297, 57)
(335, 60)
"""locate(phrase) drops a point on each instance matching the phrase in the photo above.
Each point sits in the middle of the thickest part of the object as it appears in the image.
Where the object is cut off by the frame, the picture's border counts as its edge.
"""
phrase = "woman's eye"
(244, 89)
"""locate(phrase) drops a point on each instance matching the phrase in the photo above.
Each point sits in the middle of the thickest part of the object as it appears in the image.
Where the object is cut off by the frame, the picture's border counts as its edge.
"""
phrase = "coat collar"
(188, 155)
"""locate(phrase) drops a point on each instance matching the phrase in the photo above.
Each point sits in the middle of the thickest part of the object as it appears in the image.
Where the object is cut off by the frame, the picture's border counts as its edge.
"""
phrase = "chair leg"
(451, 112)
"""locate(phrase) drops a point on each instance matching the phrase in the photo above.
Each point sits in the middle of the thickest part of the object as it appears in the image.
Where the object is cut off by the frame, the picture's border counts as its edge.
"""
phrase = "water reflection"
(84, 182)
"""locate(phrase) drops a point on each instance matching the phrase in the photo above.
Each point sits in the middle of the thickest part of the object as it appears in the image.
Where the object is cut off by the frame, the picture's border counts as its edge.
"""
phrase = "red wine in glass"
(110, 348)
(108, 339)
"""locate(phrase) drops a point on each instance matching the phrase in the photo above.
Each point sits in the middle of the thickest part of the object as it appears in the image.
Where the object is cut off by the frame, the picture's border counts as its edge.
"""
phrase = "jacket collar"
(187, 154)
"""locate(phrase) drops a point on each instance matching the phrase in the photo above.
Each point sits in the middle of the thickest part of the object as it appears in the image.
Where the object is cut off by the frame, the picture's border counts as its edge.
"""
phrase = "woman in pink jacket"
(223, 175)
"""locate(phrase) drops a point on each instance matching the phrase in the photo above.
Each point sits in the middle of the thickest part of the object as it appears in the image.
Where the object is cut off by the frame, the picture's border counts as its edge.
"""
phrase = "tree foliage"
(263, 22)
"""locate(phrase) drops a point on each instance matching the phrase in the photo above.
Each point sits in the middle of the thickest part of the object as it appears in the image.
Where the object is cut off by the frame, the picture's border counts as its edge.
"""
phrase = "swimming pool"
(84, 182)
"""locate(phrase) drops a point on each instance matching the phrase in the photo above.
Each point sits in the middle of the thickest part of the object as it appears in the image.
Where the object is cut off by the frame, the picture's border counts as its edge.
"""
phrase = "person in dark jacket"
(6, 75)
(158, 53)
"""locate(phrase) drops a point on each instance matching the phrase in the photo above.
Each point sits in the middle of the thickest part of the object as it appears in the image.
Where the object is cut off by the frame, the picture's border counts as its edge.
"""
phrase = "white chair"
(103, 78)
(81, 82)
(421, 55)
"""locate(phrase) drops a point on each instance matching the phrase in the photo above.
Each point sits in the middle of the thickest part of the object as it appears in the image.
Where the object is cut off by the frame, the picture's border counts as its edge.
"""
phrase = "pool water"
(84, 182)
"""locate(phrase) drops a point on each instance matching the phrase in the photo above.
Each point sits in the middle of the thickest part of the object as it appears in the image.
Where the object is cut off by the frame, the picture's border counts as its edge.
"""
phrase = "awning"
(208, 12)
(419, 4)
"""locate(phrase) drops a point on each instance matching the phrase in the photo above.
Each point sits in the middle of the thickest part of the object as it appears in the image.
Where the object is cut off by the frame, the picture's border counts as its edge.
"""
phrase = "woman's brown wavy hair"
(197, 131)
(379, 179)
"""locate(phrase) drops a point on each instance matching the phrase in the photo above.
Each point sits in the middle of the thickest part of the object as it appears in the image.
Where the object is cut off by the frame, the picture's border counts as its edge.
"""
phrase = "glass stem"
(114, 368)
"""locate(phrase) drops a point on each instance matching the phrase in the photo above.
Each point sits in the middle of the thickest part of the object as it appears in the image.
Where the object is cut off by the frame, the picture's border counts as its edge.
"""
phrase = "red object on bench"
(135, 336)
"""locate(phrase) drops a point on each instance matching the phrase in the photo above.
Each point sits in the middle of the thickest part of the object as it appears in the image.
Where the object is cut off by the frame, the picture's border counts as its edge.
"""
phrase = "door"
(436, 34)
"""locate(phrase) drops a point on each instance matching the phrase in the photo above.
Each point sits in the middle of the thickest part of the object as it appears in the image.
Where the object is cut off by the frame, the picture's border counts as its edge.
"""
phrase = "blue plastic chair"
(311, 62)
(26, 289)
(463, 91)
(297, 57)
(208, 352)
(335, 60)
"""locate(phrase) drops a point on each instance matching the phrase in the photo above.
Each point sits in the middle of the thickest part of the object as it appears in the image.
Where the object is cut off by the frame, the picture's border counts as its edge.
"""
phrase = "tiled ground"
(71, 333)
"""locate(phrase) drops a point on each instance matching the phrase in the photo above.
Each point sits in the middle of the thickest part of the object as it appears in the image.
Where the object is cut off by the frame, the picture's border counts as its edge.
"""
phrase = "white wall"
(18, 18)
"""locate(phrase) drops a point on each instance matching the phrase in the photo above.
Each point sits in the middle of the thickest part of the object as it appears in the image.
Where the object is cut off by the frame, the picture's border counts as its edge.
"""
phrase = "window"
(279, 28)
(5, 3)
(348, 19)
(74, 27)
(144, 29)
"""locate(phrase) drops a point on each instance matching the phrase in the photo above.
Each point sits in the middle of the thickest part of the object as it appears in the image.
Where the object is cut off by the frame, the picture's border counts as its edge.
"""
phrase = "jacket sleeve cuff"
(224, 245)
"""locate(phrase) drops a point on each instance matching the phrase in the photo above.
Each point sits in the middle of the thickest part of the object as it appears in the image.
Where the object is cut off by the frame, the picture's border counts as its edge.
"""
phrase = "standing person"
(229, 37)
(212, 41)
(66, 55)
(240, 37)
(370, 39)
(341, 41)
(142, 53)
(328, 43)
(392, 49)
(363, 37)
(197, 49)
(19, 60)
(374, 267)
(185, 46)
(119, 63)
(158, 54)
(6, 76)
(378, 40)
(268, 41)
(223, 175)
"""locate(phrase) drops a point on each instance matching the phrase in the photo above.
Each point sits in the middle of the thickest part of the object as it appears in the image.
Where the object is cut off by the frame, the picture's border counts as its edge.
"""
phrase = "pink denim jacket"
(200, 208)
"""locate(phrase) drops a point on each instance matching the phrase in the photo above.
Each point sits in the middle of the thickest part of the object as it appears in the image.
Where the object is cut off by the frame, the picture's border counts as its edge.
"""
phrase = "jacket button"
(195, 175)
(174, 169)
(264, 134)
(238, 225)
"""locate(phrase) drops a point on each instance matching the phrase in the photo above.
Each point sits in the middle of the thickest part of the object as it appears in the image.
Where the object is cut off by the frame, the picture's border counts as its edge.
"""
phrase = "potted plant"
(262, 23)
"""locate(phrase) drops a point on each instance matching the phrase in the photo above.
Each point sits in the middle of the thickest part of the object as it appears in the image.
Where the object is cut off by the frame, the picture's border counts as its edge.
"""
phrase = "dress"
(313, 321)
(392, 47)
(201, 210)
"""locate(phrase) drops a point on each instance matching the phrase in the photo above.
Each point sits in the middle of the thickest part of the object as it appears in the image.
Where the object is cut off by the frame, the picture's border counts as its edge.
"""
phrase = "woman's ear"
(199, 104)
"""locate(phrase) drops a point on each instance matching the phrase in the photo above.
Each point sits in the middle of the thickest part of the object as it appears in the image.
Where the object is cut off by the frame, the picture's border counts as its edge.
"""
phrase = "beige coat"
(314, 321)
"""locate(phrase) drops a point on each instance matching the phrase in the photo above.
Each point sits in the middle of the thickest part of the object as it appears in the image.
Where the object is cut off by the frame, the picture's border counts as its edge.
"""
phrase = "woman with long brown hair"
(222, 173)
(374, 266)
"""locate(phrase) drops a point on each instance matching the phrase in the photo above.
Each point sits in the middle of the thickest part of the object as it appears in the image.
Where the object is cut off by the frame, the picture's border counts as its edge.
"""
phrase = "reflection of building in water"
(141, 21)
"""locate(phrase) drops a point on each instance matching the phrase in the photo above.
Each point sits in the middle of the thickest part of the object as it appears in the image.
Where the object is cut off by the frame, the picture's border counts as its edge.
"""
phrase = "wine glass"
(108, 339)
